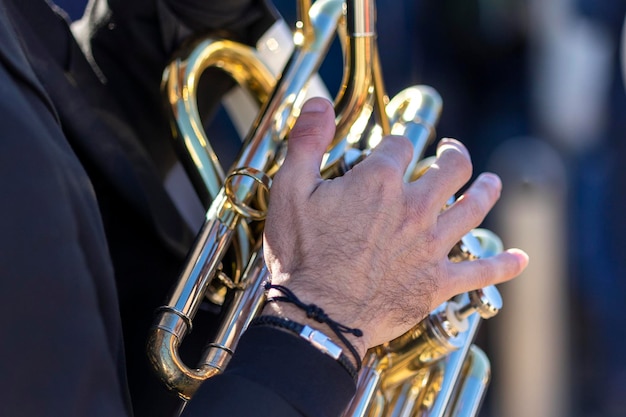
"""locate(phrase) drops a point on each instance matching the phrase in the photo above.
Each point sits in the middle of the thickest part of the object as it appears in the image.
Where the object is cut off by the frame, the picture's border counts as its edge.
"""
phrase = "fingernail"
(446, 143)
(490, 178)
(316, 105)
(521, 255)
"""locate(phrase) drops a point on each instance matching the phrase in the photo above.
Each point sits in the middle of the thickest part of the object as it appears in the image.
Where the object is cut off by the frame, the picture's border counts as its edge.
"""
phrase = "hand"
(368, 248)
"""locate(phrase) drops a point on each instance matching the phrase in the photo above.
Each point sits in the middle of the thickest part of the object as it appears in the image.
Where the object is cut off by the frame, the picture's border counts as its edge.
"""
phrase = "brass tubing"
(246, 305)
(357, 85)
(476, 375)
(171, 369)
(180, 84)
(422, 346)
(415, 396)
(435, 380)
(437, 348)
(278, 114)
(426, 369)
(259, 151)
(453, 370)
(380, 94)
(414, 112)
(303, 22)
(366, 401)
(208, 250)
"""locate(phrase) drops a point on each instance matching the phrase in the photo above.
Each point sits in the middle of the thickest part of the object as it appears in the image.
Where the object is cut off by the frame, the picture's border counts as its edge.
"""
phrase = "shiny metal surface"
(476, 374)
(258, 154)
(244, 307)
(426, 371)
(180, 84)
(432, 370)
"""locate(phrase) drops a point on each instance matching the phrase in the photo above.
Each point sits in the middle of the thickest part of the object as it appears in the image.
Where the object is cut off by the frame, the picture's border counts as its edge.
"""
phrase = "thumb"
(310, 136)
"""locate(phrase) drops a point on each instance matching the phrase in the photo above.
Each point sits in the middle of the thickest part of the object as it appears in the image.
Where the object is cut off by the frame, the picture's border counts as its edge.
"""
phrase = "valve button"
(487, 302)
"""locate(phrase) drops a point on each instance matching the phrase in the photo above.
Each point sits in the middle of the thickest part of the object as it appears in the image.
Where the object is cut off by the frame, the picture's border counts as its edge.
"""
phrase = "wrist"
(285, 304)
(291, 312)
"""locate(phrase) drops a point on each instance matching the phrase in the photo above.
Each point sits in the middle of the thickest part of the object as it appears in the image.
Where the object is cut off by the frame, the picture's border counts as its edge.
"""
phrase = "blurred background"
(534, 89)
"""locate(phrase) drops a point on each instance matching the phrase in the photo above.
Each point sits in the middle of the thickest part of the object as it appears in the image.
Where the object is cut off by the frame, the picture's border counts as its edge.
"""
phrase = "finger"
(310, 136)
(470, 209)
(450, 171)
(471, 275)
(393, 153)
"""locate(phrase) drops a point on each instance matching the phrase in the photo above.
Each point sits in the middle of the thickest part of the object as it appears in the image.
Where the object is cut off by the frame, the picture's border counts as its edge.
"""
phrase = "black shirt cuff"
(276, 374)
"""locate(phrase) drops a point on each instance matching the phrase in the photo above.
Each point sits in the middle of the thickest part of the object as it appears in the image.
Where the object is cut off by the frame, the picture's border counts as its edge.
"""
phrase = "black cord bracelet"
(316, 313)
(318, 339)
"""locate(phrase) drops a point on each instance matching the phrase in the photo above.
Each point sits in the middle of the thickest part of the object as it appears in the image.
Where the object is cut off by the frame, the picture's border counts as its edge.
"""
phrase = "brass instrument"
(433, 370)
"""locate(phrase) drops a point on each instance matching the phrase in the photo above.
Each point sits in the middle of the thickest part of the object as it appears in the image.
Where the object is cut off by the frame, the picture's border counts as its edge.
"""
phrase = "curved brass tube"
(170, 367)
(180, 84)
(259, 152)
(434, 365)
(357, 89)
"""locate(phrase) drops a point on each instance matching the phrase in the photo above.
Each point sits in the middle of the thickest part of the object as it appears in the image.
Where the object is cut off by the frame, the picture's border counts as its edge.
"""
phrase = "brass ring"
(240, 207)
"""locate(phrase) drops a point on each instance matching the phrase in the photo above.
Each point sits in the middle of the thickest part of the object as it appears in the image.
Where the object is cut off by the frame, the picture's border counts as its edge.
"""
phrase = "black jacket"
(90, 241)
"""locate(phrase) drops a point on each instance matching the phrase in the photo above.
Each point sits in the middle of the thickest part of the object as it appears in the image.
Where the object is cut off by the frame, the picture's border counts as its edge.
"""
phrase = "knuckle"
(476, 209)
(307, 129)
(425, 205)
(463, 165)
(430, 239)
(419, 209)
(387, 167)
(484, 274)
(381, 172)
(397, 148)
(455, 158)
(402, 143)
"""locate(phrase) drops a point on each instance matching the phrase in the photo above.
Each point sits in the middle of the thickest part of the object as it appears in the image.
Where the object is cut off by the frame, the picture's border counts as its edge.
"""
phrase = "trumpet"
(432, 370)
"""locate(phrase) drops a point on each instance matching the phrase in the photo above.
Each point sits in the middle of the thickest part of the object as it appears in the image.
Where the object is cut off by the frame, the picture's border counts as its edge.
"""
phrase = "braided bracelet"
(316, 313)
(318, 339)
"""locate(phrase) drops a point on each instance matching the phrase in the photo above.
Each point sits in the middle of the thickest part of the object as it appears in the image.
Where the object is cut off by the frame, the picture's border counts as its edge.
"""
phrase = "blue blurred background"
(534, 89)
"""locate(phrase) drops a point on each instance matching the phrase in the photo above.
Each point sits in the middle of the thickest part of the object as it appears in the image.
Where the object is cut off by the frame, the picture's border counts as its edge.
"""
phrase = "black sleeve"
(275, 374)
(61, 347)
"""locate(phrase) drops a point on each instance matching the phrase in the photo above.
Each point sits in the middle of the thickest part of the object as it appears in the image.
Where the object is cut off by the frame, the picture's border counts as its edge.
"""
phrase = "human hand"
(368, 248)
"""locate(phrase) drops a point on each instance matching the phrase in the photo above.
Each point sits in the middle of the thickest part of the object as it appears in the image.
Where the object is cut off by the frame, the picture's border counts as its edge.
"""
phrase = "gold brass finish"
(180, 84)
(432, 370)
